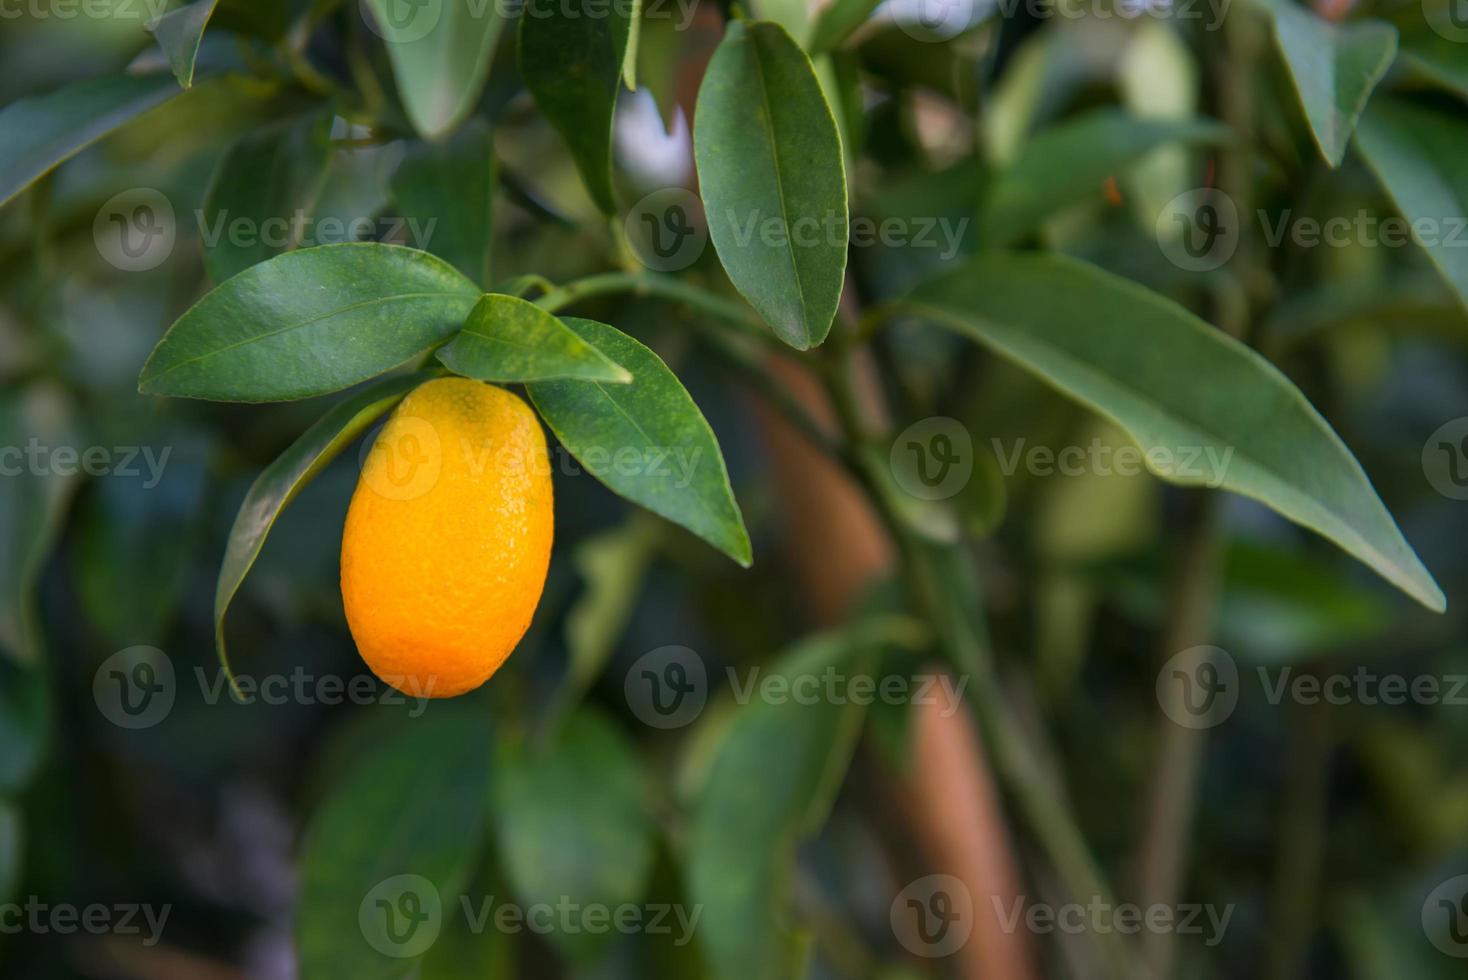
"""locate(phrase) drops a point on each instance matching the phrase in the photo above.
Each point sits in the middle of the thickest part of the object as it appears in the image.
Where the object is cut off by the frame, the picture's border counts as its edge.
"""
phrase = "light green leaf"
(440, 57)
(676, 471)
(390, 850)
(179, 32)
(573, 58)
(308, 323)
(1335, 67)
(773, 180)
(260, 186)
(448, 188)
(40, 132)
(837, 21)
(573, 825)
(1417, 154)
(288, 475)
(509, 339)
(1069, 162)
(1206, 409)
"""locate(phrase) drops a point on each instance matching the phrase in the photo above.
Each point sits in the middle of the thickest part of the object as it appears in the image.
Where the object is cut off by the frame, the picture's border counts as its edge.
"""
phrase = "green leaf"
(390, 850)
(573, 825)
(179, 32)
(1207, 409)
(40, 132)
(1417, 154)
(771, 783)
(509, 339)
(773, 180)
(678, 470)
(836, 22)
(260, 186)
(572, 55)
(308, 323)
(613, 565)
(1069, 162)
(288, 475)
(1442, 61)
(448, 189)
(1335, 67)
(25, 718)
(440, 56)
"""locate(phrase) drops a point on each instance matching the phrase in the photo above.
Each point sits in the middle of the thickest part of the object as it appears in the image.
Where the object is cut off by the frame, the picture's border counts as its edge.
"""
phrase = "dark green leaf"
(509, 339)
(308, 323)
(390, 850)
(261, 185)
(572, 55)
(1442, 61)
(1208, 410)
(1069, 163)
(448, 188)
(773, 180)
(42, 131)
(287, 475)
(1417, 153)
(440, 56)
(676, 468)
(573, 825)
(1335, 68)
(179, 32)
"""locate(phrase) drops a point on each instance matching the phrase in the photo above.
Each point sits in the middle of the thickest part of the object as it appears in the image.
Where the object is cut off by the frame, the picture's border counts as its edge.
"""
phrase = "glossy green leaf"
(572, 55)
(646, 440)
(773, 180)
(1335, 67)
(308, 323)
(448, 189)
(391, 848)
(179, 32)
(1206, 409)
(288, 475)
(260, 188)
(40, 132)
(509, 339)
(1417, 153)
(573, 826)
(440, 56)
(1069, 162)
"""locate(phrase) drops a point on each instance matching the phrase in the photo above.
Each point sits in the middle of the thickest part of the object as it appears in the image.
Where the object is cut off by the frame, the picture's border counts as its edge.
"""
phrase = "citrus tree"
(947, 374)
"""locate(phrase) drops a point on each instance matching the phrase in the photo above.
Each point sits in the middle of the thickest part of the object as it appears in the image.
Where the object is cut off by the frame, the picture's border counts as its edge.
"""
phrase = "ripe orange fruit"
(448, 537)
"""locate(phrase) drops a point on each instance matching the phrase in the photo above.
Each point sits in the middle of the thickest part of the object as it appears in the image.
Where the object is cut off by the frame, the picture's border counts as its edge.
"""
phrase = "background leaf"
(440, 57)
(448, 188)
(768, 152)
(179, 32)
(572, 58)
(310, 322)
(680, 472)
(1174, 383)
(509, 339)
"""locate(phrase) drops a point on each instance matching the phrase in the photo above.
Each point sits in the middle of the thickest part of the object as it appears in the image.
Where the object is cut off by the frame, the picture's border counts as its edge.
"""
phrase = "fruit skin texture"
(448, 537)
